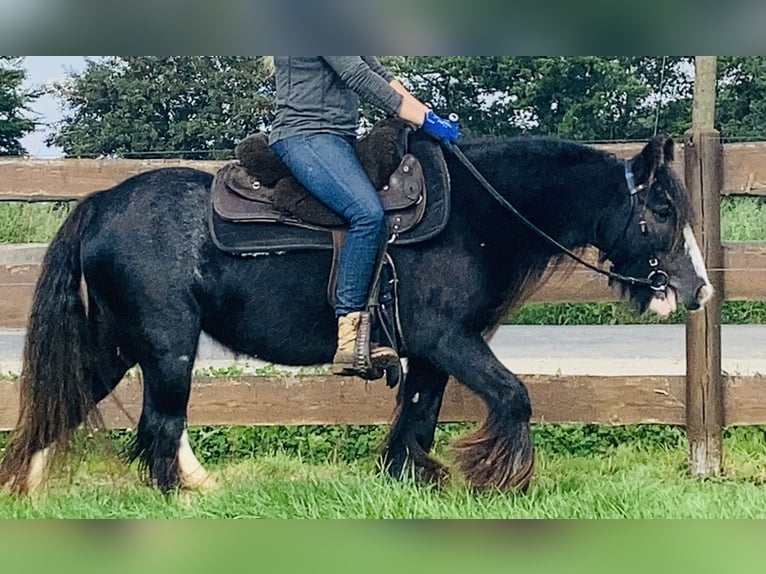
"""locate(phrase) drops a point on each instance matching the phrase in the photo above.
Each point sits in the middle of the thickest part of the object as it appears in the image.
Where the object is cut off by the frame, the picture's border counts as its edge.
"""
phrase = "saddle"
(258, 188)
(259, 208)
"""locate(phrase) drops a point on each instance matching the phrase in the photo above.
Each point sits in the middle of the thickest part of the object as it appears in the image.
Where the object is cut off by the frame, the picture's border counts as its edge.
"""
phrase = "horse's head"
(651, 235)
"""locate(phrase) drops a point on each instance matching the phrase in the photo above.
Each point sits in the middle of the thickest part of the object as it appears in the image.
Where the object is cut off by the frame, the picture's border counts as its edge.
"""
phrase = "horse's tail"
(54, 394)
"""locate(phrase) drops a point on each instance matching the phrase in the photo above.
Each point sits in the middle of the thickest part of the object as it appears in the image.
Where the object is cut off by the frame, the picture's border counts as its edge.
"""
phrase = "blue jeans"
(328, 167)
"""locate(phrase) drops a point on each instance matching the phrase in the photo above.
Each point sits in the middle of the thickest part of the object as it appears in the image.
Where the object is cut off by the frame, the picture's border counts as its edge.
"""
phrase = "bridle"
(657, 280)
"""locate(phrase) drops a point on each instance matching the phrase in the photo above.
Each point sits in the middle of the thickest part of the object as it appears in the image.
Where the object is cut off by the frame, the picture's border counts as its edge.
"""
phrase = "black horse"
(133, 277)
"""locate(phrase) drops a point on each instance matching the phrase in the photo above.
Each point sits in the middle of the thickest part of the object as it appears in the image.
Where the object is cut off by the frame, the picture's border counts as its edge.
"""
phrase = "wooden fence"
(329, 399)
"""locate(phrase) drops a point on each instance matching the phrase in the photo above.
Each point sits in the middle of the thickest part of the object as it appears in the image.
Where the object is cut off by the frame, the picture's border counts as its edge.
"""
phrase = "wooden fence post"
(703, 169)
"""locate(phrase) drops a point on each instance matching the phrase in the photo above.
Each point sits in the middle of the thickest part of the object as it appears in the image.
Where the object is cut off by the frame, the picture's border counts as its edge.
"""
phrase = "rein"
(657, 280)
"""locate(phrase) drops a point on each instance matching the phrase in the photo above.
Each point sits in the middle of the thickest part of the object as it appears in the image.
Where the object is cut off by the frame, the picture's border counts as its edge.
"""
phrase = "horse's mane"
(544, 145)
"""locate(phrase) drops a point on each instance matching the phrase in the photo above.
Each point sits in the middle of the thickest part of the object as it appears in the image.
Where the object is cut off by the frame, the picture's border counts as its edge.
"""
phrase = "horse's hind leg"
(162, 444)
(112, 358)
(412, 431)
(499, 454)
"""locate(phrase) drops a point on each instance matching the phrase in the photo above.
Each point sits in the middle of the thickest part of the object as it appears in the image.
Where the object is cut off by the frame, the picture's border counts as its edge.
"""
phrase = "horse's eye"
(662, 212)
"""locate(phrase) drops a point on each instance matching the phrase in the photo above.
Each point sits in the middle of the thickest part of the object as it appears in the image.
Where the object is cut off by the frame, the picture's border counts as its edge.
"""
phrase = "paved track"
(583, 350)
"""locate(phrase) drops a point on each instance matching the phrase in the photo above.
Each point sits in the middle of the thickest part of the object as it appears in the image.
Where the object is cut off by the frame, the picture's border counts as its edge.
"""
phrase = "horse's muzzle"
(704, 294)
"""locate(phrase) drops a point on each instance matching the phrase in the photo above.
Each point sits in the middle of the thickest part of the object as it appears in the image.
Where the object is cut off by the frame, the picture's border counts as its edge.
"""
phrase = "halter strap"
(630, 179)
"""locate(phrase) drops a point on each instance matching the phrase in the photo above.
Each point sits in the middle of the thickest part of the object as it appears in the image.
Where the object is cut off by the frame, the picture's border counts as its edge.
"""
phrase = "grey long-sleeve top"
(320, 94)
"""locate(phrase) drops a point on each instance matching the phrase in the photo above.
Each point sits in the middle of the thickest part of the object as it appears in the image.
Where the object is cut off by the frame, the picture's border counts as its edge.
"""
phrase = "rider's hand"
(446, 131)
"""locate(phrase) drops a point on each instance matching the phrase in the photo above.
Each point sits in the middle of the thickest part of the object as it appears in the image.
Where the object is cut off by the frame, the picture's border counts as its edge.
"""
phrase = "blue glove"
(446, 131)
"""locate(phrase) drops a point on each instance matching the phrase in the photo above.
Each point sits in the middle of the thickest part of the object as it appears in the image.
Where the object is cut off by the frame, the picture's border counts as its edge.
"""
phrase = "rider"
(314, 131)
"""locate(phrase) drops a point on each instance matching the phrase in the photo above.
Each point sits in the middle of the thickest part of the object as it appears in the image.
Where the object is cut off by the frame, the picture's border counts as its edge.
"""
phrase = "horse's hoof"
(438, 476)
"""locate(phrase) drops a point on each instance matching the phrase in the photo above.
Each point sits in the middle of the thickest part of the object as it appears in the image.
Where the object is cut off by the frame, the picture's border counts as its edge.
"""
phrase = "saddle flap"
(238, 196)
(237, 180)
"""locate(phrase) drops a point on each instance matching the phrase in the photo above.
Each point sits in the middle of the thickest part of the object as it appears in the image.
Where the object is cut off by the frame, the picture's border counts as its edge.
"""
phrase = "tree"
(13, 103)
(741, 97)
(586, 98)
(199, 107)
(193, 107)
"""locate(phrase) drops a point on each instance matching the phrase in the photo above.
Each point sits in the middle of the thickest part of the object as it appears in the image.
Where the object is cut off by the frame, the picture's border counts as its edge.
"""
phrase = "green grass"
(732, 312)
(583, 471)
(743, 219)
(31, 222)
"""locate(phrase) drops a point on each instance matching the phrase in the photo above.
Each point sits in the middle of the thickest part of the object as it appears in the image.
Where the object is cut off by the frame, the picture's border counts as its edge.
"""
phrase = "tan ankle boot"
(354, 354)
(344, 353)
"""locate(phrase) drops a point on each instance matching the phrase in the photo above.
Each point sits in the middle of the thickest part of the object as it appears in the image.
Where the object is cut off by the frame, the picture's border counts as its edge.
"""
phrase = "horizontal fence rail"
(330, 399)
(70, 179)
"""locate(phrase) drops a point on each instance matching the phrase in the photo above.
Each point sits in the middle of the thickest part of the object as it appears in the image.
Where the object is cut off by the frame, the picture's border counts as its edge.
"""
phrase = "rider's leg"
(328, 167)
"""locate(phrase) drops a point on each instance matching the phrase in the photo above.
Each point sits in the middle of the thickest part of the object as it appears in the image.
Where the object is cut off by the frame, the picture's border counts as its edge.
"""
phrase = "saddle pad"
(261, 238)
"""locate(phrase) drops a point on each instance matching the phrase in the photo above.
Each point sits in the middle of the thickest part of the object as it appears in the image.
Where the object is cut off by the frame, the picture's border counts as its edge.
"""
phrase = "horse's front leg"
(499, 454)
(412, 432)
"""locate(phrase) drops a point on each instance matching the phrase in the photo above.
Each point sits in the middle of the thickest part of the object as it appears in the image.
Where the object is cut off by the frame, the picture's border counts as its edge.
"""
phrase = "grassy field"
(582, 472)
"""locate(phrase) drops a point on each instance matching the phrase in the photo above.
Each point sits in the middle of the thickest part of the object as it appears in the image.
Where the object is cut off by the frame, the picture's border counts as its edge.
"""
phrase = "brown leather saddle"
(258, 188)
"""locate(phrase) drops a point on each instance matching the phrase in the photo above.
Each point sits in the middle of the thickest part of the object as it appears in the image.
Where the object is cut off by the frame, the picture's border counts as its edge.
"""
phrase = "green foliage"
(732, 313)
(31, 222)
(583, 97)
(14, 100)
(193, 107)
(585, 314)
(741, 97)
(590, 439)
(743, 219)
(315, 444)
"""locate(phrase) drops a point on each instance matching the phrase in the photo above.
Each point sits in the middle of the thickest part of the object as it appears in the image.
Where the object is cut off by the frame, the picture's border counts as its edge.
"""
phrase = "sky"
(42, 70)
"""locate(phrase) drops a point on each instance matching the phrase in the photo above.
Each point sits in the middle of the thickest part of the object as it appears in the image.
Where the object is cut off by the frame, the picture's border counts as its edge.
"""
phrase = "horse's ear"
(668, 150)
(659, 150)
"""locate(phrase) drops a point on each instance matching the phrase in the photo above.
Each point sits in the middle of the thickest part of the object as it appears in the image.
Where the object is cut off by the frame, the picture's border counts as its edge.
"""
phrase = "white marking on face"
(38, 465)
(84, 294)
(191, 472)
(693, 251)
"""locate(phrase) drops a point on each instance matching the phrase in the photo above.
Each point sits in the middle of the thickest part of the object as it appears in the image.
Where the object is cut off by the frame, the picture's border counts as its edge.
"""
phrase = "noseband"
(657, 280)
